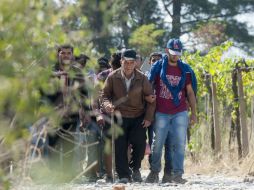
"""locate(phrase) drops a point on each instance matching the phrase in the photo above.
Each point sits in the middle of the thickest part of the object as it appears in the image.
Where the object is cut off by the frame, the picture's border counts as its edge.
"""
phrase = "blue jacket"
(160, 67)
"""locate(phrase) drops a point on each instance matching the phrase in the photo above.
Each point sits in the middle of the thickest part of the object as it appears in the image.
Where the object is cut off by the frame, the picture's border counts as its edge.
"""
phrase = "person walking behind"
(129, 86)
(139, 62)
(81, 60)
(155, 56)
(173, 84)
(68, 101)
(102, 119)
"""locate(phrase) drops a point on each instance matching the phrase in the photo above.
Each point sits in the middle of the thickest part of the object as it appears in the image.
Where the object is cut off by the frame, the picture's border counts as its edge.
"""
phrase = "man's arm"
(192, 101)
(150, 107)
(150, 98)
(106, 95)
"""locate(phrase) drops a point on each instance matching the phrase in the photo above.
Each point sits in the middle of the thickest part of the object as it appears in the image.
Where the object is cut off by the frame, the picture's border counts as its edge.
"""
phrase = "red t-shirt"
(164, 99)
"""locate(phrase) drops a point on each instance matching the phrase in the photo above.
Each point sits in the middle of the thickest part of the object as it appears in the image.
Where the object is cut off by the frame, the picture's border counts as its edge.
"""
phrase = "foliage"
(29, 34)
(145, 38)
(213, 64)
(210, 34)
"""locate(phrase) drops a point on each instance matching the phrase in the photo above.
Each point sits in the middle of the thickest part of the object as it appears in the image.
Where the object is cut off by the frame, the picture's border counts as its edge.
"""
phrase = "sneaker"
(153, 177)
(167, 178)
(123, 180)
(179, 179)
(105, 179)
(136, 176)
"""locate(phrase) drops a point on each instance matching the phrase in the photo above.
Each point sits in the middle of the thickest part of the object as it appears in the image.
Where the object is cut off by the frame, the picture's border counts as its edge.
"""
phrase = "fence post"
(210, 109)
(235, 130)
(216, 118)
(252, 117)
(242, 106)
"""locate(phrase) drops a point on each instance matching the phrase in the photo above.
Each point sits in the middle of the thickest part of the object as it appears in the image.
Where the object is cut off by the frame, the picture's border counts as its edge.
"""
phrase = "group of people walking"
(149, 107)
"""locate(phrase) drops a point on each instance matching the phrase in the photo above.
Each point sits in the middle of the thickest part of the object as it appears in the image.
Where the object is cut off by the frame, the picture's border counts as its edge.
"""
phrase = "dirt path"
(195, 182)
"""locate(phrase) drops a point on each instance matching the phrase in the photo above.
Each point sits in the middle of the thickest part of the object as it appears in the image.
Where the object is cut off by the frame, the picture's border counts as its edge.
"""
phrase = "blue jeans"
(173, 126)
(167, 155)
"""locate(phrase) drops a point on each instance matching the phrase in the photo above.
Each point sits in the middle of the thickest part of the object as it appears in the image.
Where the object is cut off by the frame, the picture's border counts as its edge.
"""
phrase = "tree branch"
(166, 7)
(212, 17)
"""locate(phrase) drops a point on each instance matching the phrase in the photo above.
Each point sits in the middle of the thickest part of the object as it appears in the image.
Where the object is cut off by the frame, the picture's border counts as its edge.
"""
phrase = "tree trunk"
(176, 19)
(125, 35)
(216, 119)
(242, 107)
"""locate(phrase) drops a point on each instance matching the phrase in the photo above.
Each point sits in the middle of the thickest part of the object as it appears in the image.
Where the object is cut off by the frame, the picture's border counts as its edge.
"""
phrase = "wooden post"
(210, 109)
(252, 114)
(216, 118)
(235, 130)
(113, 147)
(11, 168)
(242, 106)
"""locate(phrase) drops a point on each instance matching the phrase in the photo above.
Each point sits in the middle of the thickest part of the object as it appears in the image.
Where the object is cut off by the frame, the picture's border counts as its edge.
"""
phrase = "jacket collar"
(137, 74)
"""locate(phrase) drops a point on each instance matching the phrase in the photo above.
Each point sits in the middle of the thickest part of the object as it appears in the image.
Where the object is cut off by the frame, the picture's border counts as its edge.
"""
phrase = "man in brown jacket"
(124, 91)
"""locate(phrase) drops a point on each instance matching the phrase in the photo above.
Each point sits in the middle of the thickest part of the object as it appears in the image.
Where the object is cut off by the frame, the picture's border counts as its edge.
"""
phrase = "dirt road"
(195, 182)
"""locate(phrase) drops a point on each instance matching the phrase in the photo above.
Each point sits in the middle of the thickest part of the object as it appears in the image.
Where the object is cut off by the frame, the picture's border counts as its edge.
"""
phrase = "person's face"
(154, 59)
(65, 56)
(128, 66)
(82, 63)
(173, 58)
(138, 62)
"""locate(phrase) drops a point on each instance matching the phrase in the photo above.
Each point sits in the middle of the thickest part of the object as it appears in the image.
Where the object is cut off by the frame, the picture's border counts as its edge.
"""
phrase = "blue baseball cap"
(175, 47)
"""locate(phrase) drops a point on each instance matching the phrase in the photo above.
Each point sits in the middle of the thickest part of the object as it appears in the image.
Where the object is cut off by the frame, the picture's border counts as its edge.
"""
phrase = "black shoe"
(124, 180)
(109, 179)
(167, 178)
(136, 176)
(179, 179)
(153, 177)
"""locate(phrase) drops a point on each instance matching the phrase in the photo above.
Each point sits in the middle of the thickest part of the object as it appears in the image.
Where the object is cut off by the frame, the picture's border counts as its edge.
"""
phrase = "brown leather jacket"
(130, 104)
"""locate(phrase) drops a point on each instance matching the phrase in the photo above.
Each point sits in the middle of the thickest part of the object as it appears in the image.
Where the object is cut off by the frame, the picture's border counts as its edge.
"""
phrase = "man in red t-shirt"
(172, 81)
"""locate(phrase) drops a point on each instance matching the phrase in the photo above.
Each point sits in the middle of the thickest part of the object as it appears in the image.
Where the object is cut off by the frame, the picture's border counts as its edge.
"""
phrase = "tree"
(145, 38)
(113, 22)
(210, 34)
(187, 15)
(98, 16)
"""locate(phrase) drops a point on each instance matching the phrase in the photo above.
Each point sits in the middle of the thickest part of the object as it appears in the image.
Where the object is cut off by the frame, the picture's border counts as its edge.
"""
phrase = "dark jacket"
(130, 104)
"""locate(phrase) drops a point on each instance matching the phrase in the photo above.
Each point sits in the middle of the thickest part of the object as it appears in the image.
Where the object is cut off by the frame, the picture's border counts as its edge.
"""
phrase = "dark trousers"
(135, 134)
(150, 134)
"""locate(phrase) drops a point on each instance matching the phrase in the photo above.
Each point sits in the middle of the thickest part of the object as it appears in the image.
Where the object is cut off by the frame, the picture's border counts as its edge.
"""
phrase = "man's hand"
(193, 119)
(81, 127)
(59, 73)
(109, 108)
(146, 123)
(100, 120)
(150, 98)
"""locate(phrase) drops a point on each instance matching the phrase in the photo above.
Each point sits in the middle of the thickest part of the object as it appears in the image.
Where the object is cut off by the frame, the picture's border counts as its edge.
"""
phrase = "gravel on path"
(195, 181)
